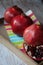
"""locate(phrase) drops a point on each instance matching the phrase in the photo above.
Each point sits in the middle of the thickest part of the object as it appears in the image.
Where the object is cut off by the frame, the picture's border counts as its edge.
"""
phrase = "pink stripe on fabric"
(8, 28)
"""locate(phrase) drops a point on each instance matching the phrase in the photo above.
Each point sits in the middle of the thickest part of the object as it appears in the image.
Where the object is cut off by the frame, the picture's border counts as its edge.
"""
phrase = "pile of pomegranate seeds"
(34, 52)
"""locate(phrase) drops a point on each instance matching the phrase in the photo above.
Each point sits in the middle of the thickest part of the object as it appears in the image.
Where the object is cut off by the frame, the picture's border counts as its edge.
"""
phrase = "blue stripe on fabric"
(15, 38)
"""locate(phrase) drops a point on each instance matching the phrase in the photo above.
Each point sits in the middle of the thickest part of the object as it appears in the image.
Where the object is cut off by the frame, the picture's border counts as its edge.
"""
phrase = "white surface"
(28, 12)
(8, 58)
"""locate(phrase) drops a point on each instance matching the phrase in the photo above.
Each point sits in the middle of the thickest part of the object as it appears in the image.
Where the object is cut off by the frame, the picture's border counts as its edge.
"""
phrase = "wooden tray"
(16, 51)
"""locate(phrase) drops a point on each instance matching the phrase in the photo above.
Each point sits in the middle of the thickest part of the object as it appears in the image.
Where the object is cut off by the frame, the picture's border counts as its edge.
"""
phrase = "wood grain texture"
(17, 52)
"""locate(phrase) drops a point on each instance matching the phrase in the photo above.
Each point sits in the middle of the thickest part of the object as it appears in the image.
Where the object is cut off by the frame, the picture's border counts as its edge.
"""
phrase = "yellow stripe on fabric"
(19, 46)
(10, 32)
(8, 26)
(38, 22)
(33, 17)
